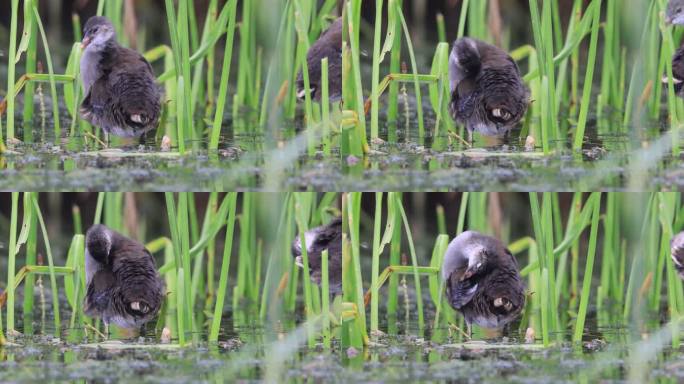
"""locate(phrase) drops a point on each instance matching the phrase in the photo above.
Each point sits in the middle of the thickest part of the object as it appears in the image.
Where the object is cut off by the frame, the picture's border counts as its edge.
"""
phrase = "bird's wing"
(461, 292)
(98, 291)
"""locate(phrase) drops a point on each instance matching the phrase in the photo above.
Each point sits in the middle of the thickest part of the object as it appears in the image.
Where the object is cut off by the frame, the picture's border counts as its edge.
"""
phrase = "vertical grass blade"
(225, 267)
(595, 200)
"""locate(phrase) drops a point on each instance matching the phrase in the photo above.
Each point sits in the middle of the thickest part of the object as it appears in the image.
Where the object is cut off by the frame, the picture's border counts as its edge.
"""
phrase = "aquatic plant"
(560, 109)
(195, 305)
(189, 73)
(564, 276)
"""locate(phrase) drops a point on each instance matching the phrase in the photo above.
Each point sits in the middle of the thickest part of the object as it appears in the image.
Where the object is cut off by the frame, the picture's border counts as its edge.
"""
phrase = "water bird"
(677, 253)
(677, 72)
(675, 12)
(123, 286)
(329, 45)
(482, 280)
(326, 237)
(121, 95)
(487, 93)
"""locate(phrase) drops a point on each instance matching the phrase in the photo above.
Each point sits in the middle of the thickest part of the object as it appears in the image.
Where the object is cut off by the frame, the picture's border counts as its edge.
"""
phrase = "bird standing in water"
(121, 95)
(329, 45)
(487, 93)
(123, 286)
(482, 280)
(327, 237)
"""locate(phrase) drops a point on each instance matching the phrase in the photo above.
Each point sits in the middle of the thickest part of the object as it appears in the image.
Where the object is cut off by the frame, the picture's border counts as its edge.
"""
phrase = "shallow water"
(251, 350)
(244, 161)
(134, 169)
(400, 160)
(397, 358)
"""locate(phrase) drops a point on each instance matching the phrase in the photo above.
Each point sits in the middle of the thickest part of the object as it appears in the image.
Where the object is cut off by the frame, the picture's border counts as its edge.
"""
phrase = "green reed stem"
(376, 262)
(325, 107)
(353, 18)
(395, 252)
(588, 79)
(595, 200)
(53, 86)
(225, 75)
(225, 267)
(353, 280)
(414, 68)
(11, 69)
(31, 61)
(414, 261)
(177, 252)
(51, 266)
(325, 299)
(375, 106)
(395, 63)
(31, 252)
(184, 233)
(12, 260)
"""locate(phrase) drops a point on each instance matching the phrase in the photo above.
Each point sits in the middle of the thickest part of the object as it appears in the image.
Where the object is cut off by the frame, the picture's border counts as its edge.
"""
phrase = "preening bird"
(482, 280)
(326, 237)
(488, 95)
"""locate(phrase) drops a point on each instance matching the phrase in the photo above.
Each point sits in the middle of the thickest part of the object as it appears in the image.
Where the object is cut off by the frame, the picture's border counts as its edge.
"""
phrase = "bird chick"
(327, 237)
(488, 95)
(482, 280)
(329, 45)
(123, 286)
(121, 95)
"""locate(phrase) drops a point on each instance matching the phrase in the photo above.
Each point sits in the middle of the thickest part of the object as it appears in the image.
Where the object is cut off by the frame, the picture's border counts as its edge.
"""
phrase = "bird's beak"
(85, 42)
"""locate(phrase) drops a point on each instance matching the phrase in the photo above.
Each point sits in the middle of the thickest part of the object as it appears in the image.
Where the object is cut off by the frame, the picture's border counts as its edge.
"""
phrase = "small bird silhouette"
(121, 95)
(329, 45)
(123, 286)
(487, 93)
(482, 280)
(326, 237)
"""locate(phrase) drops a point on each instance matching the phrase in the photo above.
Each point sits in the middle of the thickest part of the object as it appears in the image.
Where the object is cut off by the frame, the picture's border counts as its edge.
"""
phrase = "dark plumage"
(487, 92)
(677, 253)
(317, 240)
(482, 280)
(121, 95)
(123, 286)
(675, 12)
(329, 45)
(677, 72)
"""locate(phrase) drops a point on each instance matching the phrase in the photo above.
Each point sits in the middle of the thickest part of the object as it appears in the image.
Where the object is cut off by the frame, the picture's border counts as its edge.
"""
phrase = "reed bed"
(578, 65)
(199, 112)
(579, 253)
(234, 241)
(587, 258)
